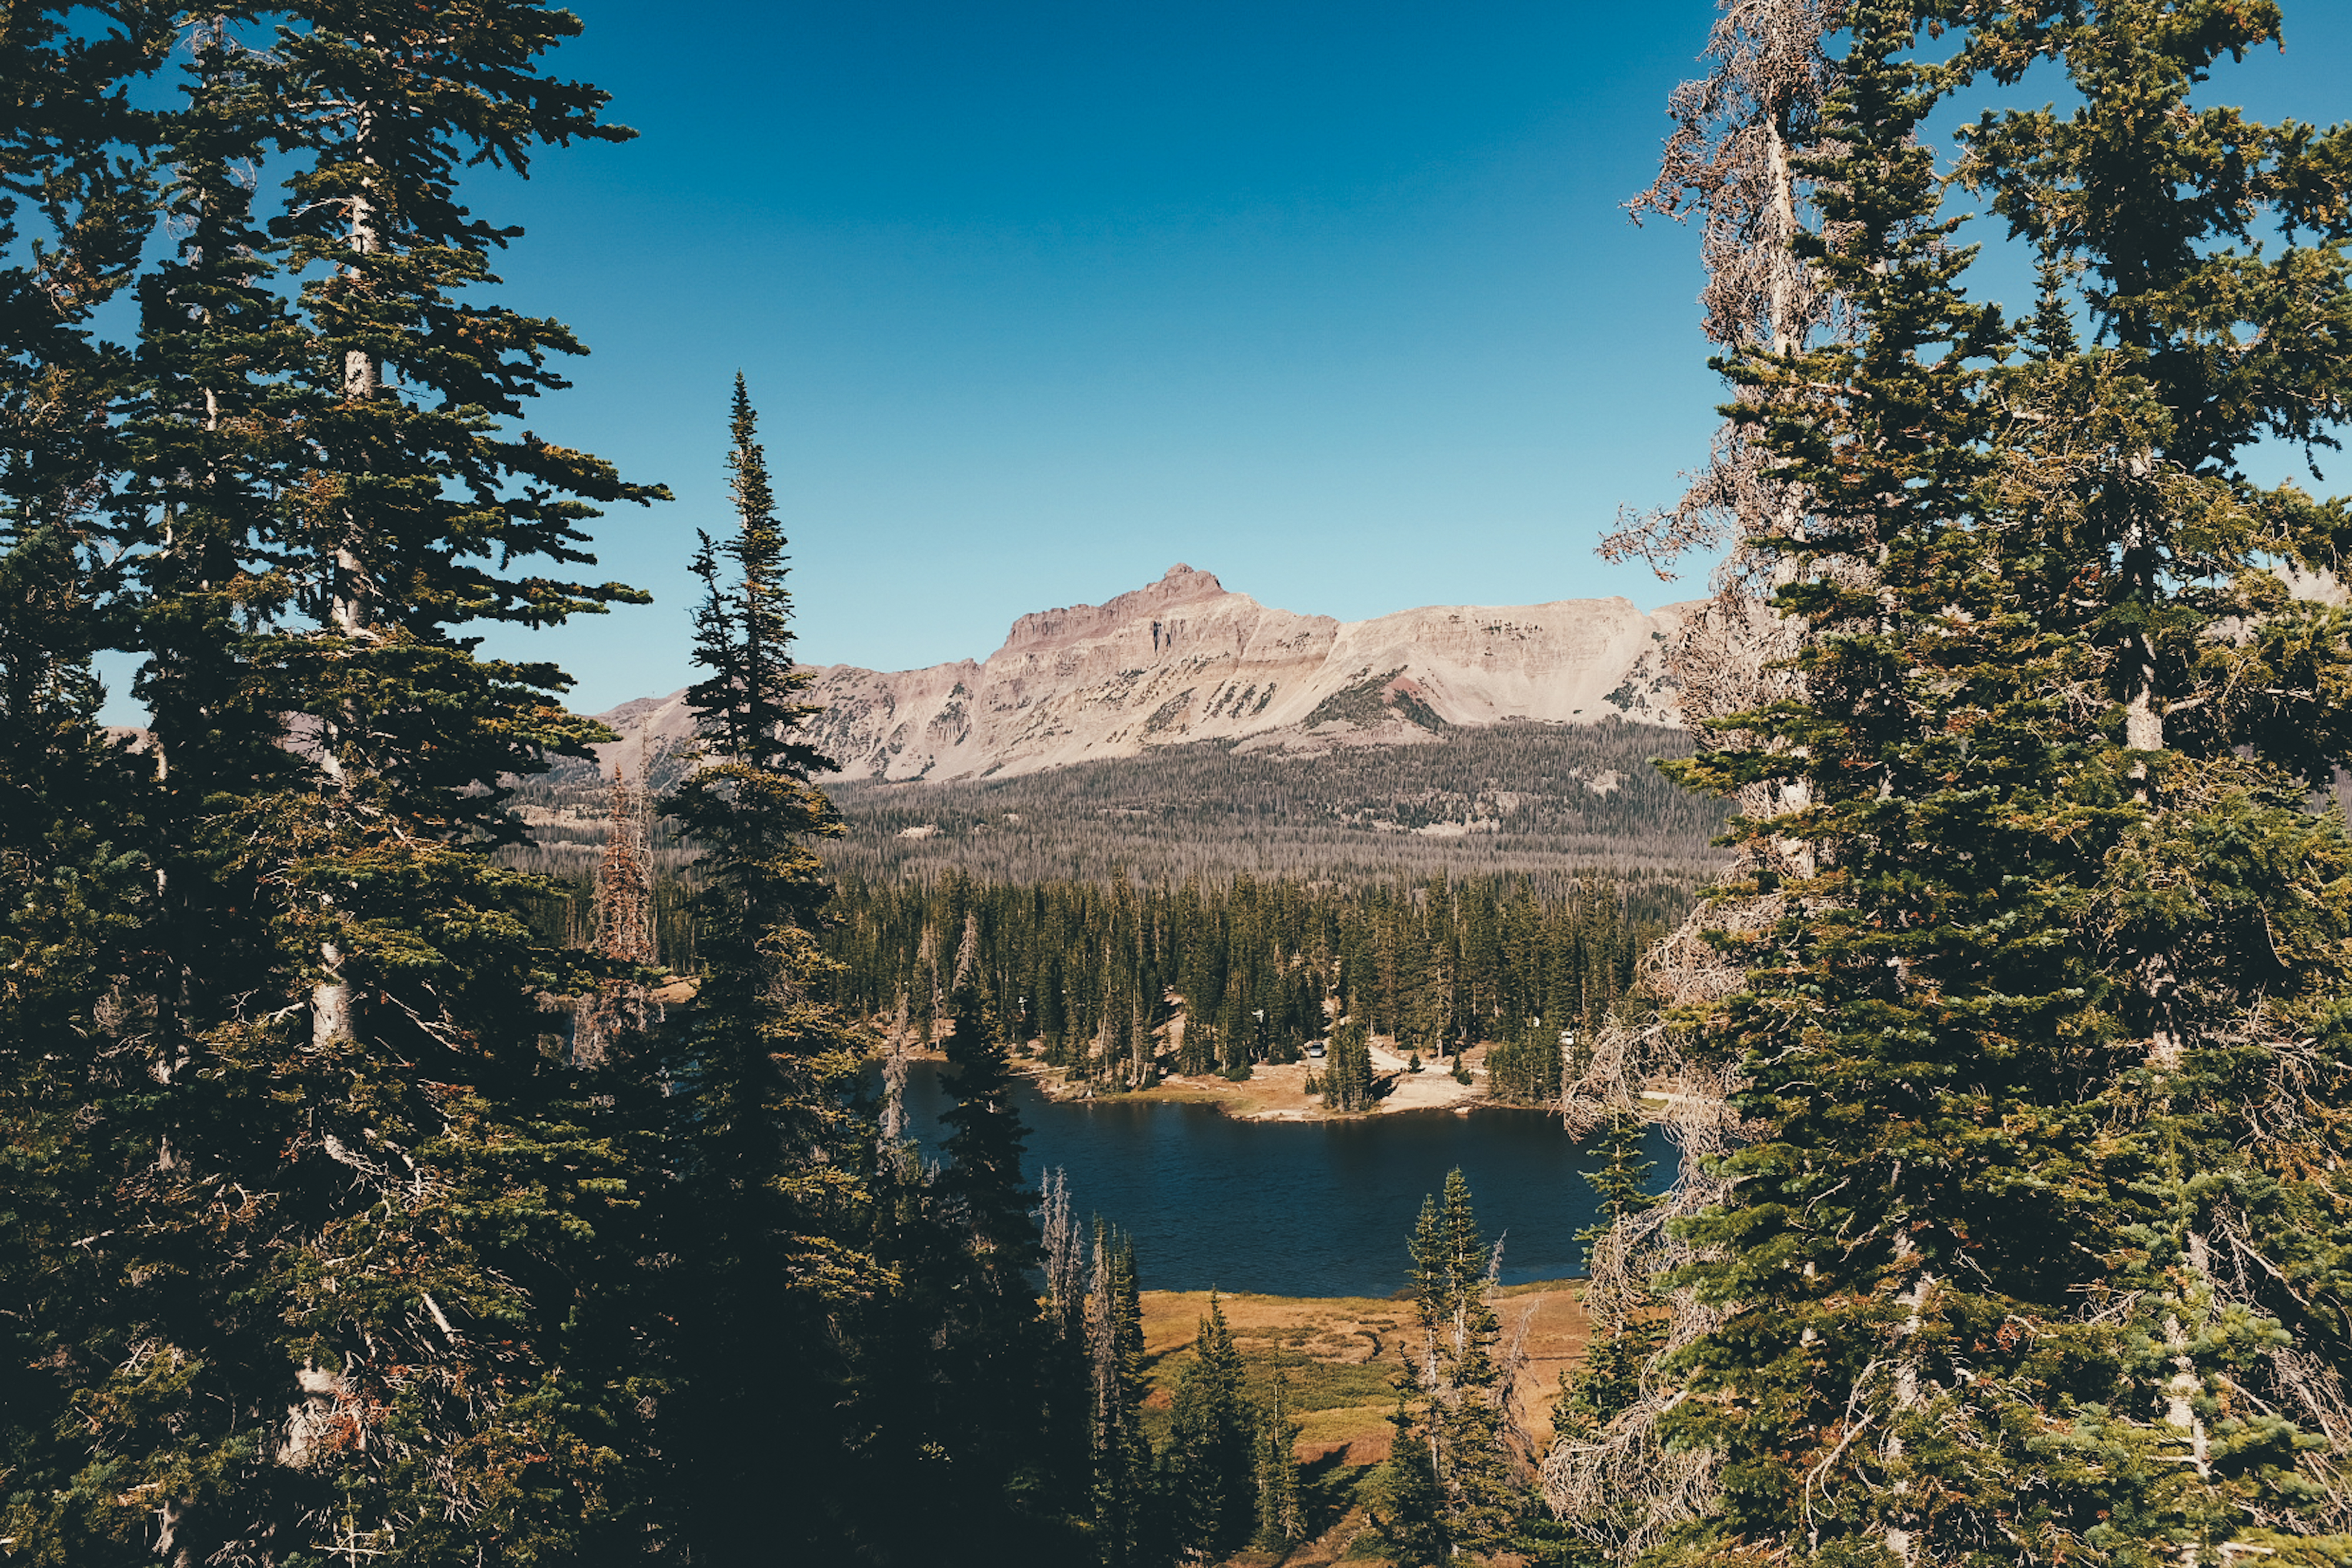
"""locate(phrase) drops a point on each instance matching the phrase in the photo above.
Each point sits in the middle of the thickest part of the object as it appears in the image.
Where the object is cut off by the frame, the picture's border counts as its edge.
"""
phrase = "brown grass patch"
(1343, 1355)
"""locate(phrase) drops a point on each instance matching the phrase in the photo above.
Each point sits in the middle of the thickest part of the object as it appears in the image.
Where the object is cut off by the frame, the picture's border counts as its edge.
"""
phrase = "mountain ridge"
(1183, 659)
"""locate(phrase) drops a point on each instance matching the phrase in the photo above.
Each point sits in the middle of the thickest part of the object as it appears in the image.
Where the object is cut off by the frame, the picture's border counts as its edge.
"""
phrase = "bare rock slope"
(1183, 661)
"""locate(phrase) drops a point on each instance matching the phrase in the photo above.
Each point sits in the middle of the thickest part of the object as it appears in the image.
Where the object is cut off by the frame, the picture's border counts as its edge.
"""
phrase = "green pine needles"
(320, 1220)
(2032, 1247)
(1348, 1069)
(1208, 1472)
(1450, 1480)
(319, 1242)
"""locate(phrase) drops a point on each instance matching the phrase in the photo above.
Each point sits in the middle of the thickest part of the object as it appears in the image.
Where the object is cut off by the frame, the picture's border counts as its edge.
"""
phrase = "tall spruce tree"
(1450, 1486)
(1348, 1070)
(1281, 1510)
(76, 840)
(768, 1218)
(359, 1204)
(1125, 1520)
(965, 1375)
(980, 1182)
(2029, 1256)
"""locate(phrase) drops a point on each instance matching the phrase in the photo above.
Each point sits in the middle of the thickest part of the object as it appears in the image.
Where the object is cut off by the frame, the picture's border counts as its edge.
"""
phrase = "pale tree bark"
(893, 1131)
(1901, 1540)
(1066, 1256)
(350, 599)
(1732, 161)
(966, 951)
(927, 967)
(351, 605)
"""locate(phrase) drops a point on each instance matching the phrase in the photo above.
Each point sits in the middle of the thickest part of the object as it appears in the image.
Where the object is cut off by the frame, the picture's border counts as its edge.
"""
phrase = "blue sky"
(1337, 301)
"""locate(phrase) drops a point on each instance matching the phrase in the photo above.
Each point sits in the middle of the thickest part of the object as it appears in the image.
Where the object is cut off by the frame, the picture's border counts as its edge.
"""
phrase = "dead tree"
(1734, 160)
(620, 1008)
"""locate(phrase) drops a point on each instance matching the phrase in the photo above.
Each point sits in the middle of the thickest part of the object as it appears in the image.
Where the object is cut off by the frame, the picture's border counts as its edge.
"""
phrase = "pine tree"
(77, 847)
(1208, 1473)
(1409, 1513)
(965, 1379)
(1347, 1071)
(1197, 1054)
(1281, 1513)
(1122, 1498)
(981, 1180)
(769, 1216)
(1624, 1334)
(78, 921)
(1525, 1070)
(78, 841)
(1450, 1486)
(2005, 1269)
(341, 997)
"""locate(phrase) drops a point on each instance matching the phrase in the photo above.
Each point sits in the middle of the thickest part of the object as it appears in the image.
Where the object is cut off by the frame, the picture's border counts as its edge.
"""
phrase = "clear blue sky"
(1036, 298)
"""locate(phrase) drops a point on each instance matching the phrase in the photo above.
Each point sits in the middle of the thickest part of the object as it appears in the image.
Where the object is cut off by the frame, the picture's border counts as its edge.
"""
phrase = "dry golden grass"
(1344, 1354)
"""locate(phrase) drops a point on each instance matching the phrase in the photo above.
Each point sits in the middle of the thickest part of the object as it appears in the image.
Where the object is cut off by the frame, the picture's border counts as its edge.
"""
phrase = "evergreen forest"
(1088, 973)
(386, 1183)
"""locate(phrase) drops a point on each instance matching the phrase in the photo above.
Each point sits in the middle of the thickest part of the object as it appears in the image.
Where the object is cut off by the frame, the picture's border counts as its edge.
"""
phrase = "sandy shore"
(1277, 1092)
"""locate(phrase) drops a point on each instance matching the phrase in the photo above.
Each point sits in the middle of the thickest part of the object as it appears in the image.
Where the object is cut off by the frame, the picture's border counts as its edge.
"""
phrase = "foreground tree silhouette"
(2031, 1249)
(1449, 1482)
(344, 1298)
(78, 844)
(771, 1203)
(963, 1400)
(1125, 1516)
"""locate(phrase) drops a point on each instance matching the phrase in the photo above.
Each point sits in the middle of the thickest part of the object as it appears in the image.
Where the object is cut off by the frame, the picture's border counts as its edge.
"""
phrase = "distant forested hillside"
(1514, 797)
(1509, 797)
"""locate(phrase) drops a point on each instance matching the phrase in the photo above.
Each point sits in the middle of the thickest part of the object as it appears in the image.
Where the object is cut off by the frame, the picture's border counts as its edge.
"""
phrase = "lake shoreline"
(1304, 1208)
(1277, 1092)
(1270, 1096)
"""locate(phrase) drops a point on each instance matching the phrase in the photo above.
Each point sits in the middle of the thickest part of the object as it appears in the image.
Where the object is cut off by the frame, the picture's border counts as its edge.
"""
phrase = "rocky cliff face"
(1184, 660)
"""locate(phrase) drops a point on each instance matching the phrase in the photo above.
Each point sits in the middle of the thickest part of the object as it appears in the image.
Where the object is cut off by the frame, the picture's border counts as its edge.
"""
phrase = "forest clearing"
(1345, 1356)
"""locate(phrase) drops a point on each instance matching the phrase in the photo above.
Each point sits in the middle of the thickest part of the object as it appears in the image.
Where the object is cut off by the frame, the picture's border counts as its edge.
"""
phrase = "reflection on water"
(1299, 1209)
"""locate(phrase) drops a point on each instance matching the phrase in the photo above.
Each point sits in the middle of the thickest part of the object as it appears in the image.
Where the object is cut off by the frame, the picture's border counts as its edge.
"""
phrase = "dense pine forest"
(1087, 973)
(365, 1200)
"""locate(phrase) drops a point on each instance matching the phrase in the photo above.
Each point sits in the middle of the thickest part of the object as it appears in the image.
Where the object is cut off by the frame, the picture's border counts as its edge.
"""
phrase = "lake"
(1299, 1209)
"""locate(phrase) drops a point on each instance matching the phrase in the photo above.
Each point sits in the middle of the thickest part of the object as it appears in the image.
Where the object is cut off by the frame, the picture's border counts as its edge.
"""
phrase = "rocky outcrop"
(1184, 660)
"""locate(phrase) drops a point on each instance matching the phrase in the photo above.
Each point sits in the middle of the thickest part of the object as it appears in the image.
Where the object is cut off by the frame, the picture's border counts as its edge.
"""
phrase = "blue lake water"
(1300, 1208)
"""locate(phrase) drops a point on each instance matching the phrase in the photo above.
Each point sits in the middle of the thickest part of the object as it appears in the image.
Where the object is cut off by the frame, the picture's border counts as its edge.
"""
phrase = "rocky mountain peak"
(1180, 585)
(1182, 659)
